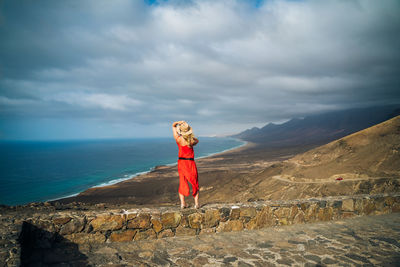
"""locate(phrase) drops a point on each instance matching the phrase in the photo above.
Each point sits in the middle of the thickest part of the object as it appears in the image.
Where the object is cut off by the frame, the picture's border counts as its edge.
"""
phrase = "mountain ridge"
(365, 162)
(319, 128)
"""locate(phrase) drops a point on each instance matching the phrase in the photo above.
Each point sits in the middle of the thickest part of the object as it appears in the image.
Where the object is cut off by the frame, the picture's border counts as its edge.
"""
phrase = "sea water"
(33, 171)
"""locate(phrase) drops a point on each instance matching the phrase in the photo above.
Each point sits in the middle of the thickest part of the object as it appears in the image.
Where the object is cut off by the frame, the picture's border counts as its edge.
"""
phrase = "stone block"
(75, 225)
(107, 222)
(303, 206)
(358, 206)
(125, 236)
(166, 233)
(184, 221)
(170, 220)
(142, 221)
(247, 212)
(325, 214)
(157, 225)
(183, 231)
(195, 220)
(235, 214)
(293, 212)
(264, 218)
(348, 205)
(147, 234)
(311, 212)
(283, 215)
(233, 225)
(337, 204)
(380, 206)
(251, 225)
(211, 218)
(299, 218)
(84, 238)
(368, 206)
(189, 211)
(224, 214)
(61, 220)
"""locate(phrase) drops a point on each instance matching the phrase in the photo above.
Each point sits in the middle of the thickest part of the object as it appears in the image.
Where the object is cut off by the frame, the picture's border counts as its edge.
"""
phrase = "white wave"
(126, 177)
(73, 195)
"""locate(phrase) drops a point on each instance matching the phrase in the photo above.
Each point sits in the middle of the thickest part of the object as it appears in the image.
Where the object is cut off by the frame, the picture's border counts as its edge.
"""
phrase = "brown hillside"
(368, 161)
(371, 153)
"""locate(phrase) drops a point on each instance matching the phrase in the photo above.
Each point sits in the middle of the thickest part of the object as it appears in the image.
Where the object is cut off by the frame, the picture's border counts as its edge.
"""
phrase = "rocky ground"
(361, 241)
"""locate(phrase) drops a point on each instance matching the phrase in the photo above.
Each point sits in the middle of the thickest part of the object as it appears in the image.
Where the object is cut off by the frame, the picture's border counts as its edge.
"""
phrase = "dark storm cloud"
(223, 65)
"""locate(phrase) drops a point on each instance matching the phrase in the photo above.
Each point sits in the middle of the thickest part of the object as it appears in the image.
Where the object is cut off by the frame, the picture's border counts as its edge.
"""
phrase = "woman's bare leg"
(182, 199)
(196, 200)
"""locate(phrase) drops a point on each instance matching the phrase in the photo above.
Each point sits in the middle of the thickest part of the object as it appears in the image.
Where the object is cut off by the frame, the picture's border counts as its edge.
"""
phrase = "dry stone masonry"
(31, 236)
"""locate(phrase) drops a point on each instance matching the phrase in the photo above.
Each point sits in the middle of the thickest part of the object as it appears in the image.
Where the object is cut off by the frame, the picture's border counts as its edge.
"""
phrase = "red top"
(185, 152)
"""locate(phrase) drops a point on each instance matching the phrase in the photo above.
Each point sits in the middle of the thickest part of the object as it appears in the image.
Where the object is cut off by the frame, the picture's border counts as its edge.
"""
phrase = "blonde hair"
(189, 139)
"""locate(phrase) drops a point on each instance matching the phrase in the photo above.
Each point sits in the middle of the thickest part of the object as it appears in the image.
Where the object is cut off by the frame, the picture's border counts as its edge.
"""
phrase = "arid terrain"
(366, 162)
(361, 163)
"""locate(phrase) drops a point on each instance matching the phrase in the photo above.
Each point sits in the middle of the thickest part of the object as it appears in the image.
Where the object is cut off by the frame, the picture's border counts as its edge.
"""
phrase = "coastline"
(242, 174)
(117, 181)
(160, 185)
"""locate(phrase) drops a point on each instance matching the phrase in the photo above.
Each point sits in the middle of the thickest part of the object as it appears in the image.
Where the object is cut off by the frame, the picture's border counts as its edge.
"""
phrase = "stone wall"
(43, 230)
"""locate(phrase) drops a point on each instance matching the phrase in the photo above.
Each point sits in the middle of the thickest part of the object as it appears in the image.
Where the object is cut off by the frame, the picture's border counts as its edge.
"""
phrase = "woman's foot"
(197, 206)
(184, 206)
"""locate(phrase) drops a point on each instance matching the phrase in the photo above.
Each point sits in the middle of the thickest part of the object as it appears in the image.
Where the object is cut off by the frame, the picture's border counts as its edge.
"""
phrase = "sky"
(129, 68)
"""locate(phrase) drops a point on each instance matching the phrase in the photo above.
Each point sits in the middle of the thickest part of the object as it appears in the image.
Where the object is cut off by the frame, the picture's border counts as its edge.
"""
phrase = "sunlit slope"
(366, 162)
(370, 153)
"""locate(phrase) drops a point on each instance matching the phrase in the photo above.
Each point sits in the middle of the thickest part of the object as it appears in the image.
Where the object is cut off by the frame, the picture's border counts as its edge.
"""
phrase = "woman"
(186, 165)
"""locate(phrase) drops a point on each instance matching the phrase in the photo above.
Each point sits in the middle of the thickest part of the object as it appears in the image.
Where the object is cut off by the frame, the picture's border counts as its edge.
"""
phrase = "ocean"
(33, 171)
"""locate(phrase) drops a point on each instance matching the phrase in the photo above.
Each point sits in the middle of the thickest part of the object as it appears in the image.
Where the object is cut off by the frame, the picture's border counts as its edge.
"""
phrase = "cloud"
(5, 101)
(228, 64)
(104, 101)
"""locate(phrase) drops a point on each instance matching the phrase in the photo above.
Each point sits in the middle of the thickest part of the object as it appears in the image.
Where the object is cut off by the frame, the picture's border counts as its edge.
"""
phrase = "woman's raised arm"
(174, 131)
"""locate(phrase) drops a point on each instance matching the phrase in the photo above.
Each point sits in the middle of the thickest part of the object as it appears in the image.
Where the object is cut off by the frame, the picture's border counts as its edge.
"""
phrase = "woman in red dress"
(186, 165)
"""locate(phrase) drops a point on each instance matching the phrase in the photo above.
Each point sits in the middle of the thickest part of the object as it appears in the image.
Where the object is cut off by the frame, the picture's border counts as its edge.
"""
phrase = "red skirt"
(187, 170)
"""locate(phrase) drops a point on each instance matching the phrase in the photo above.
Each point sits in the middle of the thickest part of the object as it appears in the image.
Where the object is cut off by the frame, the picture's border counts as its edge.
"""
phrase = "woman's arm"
(174, 131)
(195, 141)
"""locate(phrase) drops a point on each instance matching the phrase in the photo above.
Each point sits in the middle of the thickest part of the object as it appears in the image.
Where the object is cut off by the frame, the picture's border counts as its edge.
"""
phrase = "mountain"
(373, 152)
(365, 162)
(318, 129)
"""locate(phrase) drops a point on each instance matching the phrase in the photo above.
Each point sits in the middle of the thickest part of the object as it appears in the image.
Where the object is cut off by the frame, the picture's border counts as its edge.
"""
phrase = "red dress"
(187, 171)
